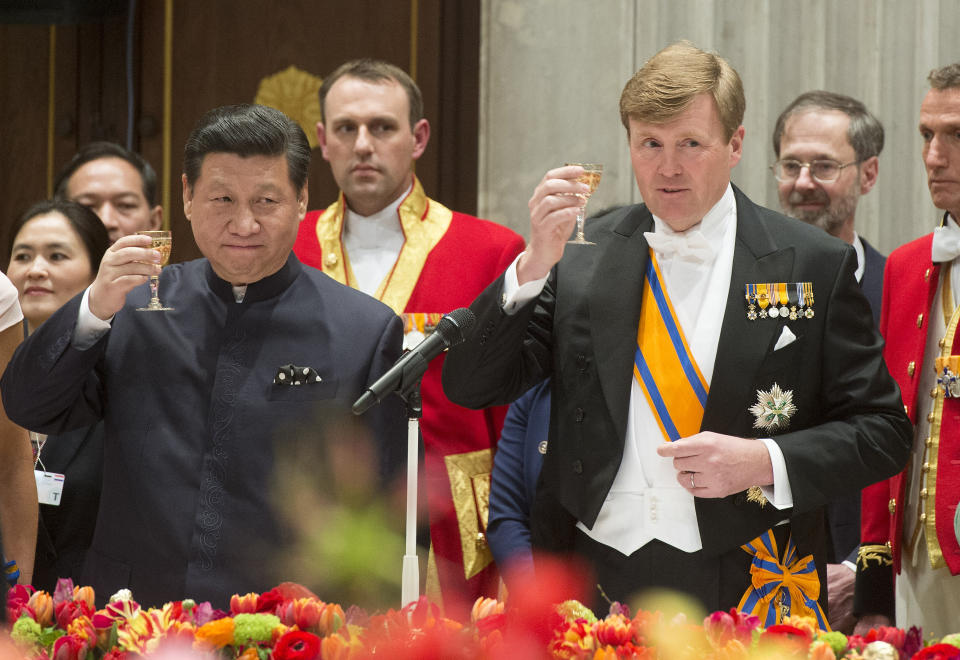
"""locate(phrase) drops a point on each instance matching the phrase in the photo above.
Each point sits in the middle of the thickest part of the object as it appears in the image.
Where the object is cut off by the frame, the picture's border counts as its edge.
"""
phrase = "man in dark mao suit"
(197, 399)
(800, 407)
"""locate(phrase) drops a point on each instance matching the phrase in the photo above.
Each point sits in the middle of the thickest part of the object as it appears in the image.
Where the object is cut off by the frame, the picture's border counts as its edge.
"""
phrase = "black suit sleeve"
(506, 355)
(864, 436)
(50, 386)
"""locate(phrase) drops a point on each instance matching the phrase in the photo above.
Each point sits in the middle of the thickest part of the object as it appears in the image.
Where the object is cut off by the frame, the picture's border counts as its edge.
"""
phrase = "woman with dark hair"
(54, 255)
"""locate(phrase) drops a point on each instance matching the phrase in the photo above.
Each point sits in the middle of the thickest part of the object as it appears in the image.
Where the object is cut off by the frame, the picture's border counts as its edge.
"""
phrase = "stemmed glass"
(161, 241)
(591, 176)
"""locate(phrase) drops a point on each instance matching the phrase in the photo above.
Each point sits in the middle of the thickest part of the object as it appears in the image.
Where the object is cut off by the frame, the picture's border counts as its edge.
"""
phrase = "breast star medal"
(772, 411)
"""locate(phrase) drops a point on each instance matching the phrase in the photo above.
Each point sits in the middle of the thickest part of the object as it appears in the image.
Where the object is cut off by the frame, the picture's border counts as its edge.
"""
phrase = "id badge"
(49, 487)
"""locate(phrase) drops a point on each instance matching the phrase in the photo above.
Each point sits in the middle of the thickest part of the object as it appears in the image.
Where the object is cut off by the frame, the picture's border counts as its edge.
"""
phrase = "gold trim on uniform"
(424, 222)
(470, 486)
(928, 480)
(880, 554)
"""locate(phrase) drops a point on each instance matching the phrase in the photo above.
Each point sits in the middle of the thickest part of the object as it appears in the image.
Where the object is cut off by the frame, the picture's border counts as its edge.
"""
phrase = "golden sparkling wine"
(591, 176)
(162, 242)
(163, 246)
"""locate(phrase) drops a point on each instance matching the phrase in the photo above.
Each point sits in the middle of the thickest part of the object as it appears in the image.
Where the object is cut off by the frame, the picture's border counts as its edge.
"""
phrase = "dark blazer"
(872, 281)
(205, 451)
(66, 530)
(849, 429)
(513, 482)
(843, 513)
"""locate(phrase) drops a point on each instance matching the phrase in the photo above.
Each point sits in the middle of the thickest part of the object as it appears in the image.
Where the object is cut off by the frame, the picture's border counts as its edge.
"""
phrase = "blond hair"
(669, 81)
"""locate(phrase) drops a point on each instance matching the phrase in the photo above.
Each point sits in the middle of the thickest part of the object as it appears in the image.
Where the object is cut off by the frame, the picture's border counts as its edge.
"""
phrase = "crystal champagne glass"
(591, 176)
(162, 241)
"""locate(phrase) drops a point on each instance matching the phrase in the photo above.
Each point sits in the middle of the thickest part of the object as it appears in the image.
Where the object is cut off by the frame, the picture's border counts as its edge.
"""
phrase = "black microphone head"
(453, 327)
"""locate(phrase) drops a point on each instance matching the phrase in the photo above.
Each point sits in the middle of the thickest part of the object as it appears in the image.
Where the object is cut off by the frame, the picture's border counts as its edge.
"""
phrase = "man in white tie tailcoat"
(687, 463)
(911, 523)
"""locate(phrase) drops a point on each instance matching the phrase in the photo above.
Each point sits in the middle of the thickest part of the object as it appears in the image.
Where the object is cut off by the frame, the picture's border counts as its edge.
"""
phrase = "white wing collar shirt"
(645, 501)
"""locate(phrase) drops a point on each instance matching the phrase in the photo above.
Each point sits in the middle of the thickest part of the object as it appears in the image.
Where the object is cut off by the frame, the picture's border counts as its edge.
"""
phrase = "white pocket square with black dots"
(291, 374)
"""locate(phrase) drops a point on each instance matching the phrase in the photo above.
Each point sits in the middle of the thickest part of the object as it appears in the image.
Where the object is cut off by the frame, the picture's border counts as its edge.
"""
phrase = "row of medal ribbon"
(775, 300)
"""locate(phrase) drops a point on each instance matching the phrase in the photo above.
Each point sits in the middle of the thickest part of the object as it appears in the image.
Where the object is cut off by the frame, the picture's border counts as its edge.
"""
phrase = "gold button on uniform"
(923, 517)
(933, 393)
(925, 468)
(331, 259)
(919, 320)
(923, 494)
(892, 505)
(911, 367)
(930, 417)
(928, 442)
(926, 275)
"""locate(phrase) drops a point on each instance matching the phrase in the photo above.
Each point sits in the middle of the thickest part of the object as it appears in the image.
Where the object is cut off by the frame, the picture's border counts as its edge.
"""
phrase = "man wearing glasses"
(828, 147)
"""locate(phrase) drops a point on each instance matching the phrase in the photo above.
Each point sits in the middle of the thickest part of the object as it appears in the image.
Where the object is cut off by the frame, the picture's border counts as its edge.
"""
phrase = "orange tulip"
(246, 604)
(214, 635)
(86, 595)
(41, 603)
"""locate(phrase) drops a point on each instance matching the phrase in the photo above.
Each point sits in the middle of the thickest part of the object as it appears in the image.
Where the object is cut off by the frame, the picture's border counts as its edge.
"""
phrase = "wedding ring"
(692, 484)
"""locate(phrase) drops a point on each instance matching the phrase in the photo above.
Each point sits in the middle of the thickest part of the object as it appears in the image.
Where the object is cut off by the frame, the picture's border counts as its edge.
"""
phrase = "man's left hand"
(840, 581)
(711, 464)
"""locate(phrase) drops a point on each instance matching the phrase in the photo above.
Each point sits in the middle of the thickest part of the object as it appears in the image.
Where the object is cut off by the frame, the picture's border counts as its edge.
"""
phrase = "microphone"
(411, 366)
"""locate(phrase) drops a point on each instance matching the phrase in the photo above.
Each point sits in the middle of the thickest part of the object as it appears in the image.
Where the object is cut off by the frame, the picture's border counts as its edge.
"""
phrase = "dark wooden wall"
(221, 49)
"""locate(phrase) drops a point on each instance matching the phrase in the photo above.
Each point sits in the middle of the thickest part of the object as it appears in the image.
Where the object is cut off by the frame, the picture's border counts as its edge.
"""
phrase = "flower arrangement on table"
(290, 623)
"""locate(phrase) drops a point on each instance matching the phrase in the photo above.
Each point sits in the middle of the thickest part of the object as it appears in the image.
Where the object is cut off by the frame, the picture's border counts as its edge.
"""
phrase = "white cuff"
(780, 495)
(515, 295)
(89, 328)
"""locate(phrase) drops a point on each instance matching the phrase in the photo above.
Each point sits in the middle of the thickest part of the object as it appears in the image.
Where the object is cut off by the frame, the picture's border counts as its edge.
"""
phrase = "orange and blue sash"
(781, 588)
(663, 364)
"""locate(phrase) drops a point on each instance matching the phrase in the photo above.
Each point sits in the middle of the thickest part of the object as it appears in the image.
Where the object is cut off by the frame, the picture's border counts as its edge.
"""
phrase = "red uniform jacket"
(447, 259)
(909, 290)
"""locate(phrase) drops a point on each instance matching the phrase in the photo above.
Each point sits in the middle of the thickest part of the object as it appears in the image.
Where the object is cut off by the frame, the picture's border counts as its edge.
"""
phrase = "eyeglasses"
(823, 170)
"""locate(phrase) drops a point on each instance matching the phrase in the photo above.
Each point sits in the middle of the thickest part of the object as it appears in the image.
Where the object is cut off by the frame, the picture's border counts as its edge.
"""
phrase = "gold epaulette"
(881, 554)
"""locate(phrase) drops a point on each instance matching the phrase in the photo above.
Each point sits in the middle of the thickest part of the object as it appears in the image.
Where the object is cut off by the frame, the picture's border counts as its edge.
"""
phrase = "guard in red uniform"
(910, 523)
(385, 237)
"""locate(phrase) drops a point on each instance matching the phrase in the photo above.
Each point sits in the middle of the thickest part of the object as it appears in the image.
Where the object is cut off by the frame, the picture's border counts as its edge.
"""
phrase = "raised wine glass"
(161, 241)
(591, 176)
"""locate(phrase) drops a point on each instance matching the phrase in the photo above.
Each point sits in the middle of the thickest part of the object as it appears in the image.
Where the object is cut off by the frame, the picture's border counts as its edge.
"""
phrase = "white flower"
(123, 595)
(773, 409)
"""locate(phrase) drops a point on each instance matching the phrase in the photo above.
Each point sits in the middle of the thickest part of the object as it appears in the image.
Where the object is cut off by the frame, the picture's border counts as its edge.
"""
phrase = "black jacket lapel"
(744, 343)
(615, 310)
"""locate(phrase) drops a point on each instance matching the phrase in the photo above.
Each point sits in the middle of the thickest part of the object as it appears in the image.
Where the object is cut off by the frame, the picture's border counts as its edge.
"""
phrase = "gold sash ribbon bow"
(781, 588)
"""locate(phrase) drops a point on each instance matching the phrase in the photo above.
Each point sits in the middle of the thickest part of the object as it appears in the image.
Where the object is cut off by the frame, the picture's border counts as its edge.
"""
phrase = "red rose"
(938, 652)
(297, 645)
(269, 600)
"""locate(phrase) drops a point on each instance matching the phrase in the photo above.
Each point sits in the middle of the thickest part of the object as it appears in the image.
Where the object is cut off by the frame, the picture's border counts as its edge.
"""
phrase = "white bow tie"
(689, 246)
(946, 242)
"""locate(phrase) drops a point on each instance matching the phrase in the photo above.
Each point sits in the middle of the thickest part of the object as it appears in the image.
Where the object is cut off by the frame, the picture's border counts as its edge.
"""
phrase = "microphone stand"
(410, 577)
